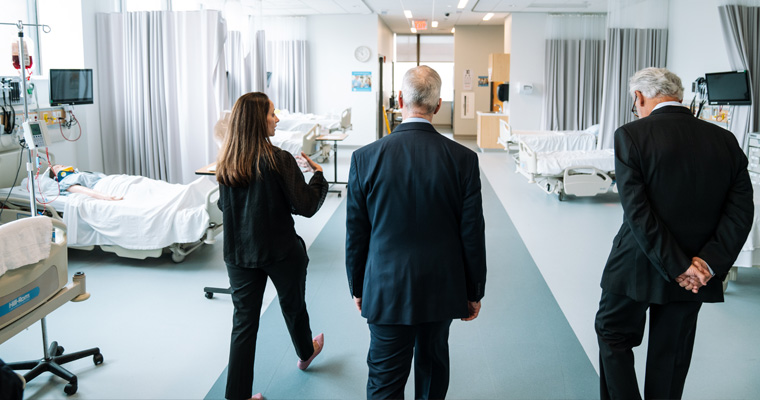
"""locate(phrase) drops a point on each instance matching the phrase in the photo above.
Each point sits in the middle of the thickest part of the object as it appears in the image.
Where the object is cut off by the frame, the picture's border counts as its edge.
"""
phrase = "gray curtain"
(287, 86)
(626, 51)
(161, 86)
(256, 63)
(741, 33)
(236, 68)
(573, 81)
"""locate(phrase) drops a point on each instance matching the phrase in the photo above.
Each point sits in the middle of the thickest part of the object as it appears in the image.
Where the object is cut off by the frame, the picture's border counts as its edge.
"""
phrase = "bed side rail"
(586, 181)
(310, 140)
(505, 134)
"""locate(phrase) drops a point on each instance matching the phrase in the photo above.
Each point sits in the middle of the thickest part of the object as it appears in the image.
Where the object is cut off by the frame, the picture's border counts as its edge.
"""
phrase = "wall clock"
(363, 53)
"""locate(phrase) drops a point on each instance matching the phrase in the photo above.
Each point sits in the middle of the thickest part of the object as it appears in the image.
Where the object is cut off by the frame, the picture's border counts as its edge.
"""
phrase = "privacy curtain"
(574, 73)
(286, 60)
(162, 83)
(637, 38)
(741, 32)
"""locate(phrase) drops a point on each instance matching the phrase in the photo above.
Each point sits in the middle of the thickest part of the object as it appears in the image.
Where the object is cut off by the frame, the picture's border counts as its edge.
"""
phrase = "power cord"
(15, 179)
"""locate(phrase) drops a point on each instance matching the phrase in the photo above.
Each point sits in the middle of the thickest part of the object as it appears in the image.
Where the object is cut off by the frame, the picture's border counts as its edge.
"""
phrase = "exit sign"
(420, 25)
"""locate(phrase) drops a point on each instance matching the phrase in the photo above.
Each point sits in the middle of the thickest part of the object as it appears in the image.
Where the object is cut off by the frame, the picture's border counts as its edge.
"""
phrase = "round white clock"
(363, 53)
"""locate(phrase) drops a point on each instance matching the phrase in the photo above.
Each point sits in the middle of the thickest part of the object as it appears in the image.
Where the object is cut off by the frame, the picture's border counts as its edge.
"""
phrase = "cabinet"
(498, 67)
(488, 130)
(753, 154)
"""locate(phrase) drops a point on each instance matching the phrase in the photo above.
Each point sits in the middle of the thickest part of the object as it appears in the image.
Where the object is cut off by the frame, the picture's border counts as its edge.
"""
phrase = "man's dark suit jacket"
(685, 192)
(415, 235)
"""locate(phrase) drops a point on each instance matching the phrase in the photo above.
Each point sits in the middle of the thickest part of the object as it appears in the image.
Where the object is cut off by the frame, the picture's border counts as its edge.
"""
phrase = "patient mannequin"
(72, 180)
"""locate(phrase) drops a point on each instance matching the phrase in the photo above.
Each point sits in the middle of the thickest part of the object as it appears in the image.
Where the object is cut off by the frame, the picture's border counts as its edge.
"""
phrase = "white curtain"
(286, 60)
(162, 84)
(573, 77)
(637, 38)
(740, 20)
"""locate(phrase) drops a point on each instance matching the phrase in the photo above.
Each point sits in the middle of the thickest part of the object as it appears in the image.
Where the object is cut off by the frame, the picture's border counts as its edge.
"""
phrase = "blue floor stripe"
(520, 347)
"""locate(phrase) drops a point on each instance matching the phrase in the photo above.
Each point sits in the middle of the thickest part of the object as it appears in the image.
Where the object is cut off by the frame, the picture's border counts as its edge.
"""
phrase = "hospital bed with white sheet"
(295, 141)
(328, 123)
(294, 136)
(33, 283)
(577, 172)
(545, 141)
(154, 217)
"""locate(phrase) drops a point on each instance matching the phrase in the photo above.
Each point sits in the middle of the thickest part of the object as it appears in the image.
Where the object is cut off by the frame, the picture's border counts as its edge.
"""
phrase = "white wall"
(692, 55)
(472, 45)
(527, 65)
(332, 41)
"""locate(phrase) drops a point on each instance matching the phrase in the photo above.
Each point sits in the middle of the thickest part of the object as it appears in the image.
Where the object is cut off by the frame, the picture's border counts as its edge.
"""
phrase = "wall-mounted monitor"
(70, 86)
(728, 88)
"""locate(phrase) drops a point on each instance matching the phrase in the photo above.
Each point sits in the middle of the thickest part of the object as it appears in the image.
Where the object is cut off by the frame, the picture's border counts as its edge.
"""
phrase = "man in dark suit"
(687, 211)
(415, 244)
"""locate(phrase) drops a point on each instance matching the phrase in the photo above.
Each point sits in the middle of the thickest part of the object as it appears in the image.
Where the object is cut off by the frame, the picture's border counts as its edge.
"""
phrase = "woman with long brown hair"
(260, 186)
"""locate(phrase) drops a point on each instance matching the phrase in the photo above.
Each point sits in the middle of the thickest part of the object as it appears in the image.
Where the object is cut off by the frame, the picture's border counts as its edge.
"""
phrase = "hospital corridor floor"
(534, 339)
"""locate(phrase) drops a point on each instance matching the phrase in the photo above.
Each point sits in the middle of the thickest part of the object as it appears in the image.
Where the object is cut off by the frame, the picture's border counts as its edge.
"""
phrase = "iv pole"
(22, 64)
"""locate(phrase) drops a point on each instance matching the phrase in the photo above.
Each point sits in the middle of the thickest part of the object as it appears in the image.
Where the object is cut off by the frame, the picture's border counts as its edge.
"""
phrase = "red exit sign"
(420, 25)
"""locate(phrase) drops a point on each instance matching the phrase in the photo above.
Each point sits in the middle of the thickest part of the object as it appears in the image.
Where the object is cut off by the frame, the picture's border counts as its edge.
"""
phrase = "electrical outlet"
(58, 115)
(47, 116)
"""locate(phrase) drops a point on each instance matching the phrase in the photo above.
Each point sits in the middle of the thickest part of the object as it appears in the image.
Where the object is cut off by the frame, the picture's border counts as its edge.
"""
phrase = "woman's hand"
(307, 164)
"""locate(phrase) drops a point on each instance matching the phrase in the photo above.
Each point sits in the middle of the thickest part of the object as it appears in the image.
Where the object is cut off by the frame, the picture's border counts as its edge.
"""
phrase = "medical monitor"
(70, 86)
(728, 88)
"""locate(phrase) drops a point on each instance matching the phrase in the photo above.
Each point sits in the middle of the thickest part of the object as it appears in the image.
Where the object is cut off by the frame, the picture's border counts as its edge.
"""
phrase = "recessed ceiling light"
(462, 4)
(453, 29)
(408, 14)
(414, 30)
(488, 16)
(435, 24)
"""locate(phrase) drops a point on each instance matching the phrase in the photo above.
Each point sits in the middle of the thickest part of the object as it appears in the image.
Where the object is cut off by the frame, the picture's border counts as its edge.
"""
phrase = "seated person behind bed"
(72, 180)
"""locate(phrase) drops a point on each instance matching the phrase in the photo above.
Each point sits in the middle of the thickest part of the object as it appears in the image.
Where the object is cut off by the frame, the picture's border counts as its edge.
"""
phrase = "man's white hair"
(655, 82)
(421, 88)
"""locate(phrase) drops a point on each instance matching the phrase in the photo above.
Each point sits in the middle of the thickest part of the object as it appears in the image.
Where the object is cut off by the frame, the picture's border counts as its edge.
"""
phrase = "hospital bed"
(293, 136)
(577, 172)
(295, 141)
(155, 217)
(33, 283)
(545, 141)
(750, 254)
(328, 123)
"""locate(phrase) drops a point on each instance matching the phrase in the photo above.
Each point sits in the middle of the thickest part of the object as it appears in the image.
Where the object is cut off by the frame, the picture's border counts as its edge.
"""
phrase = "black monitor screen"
(70, 86)
(728, 88)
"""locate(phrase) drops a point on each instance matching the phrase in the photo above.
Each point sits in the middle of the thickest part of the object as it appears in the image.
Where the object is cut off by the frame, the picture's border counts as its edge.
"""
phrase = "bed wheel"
(561, 196)
(97, 359)
(70, 388)
(209, 295)
(177, 258)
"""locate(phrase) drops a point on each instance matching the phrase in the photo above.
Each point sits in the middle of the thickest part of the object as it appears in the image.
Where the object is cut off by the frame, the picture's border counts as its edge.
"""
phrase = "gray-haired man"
(687, 211)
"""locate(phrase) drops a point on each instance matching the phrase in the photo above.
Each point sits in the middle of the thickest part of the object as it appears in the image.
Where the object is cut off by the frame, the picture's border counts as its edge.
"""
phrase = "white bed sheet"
(154, 214)
(296, 121)
(555, 163)
(290, 141)
(546, 141)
